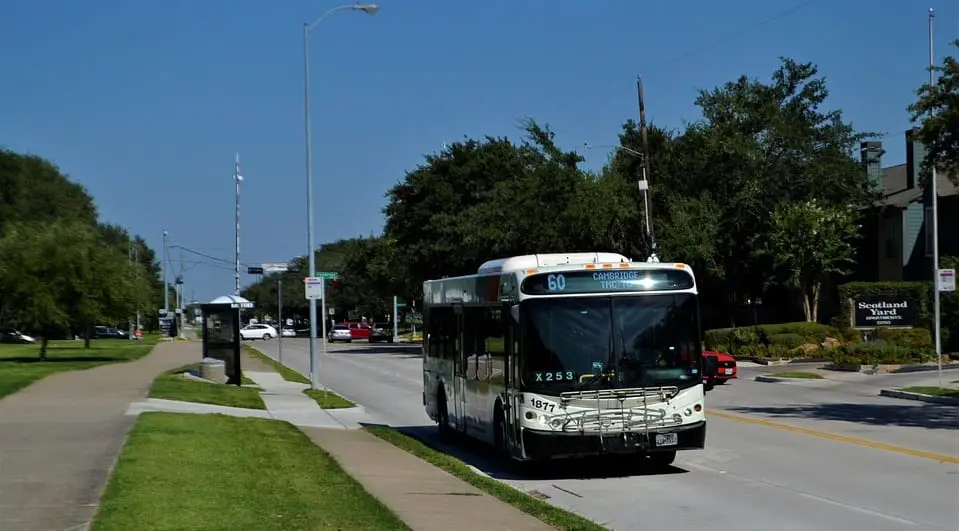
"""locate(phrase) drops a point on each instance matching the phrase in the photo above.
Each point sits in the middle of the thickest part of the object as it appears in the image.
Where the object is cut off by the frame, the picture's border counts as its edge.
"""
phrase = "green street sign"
(400, 304)
(327, 275)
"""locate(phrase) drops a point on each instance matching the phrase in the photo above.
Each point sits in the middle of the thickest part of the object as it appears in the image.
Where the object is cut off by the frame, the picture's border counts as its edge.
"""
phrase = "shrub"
(877, 353)
(909, 337)
(789, 340)
(736, 338)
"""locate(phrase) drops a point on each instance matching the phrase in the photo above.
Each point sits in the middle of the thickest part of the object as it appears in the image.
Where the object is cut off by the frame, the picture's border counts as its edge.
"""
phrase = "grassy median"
(20, 365)
(551, 515)
(797, 375)
(933, 391)
(214, 472)
(328, 399)
(173, 386)
(287, 373)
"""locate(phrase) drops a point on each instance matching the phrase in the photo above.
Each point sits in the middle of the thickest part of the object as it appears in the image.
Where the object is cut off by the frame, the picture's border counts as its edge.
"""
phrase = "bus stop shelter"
(221, 333)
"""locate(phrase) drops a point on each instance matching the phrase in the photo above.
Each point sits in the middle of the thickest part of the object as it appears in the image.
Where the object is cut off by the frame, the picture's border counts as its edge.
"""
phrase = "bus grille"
(613, 420)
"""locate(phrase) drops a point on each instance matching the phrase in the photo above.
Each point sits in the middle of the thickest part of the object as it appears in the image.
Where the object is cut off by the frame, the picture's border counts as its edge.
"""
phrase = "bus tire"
(659, 460)
(442, 416)
(499, 431)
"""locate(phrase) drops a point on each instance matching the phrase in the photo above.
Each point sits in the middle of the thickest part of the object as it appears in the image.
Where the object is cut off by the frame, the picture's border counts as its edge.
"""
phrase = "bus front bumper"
(539, 444)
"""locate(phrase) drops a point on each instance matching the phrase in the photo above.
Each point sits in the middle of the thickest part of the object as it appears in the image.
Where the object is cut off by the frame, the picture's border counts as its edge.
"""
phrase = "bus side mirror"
(710, 370)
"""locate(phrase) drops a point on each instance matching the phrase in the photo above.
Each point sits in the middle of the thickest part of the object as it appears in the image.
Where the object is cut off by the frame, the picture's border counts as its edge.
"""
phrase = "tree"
(36, 276)
(61, 276)
(937, 109)
(480, 200)
(758, 145)
(33, 189)
(807, 242)
(371, 276)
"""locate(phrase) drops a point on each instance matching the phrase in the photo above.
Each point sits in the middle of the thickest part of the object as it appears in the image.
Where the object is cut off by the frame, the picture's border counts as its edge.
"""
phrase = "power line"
(708, 45)
(211, 257)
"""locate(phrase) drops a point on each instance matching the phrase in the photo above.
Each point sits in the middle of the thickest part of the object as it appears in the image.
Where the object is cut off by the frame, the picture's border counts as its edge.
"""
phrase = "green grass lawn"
(20, 365)
(933, 391)
(539, 509)
(173, 386)
(287, 373)
(328, 400)
(799, 375)
(214, 472)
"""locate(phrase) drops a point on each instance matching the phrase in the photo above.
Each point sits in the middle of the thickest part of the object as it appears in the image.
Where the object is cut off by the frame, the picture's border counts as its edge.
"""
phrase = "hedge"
(879, 354)
(788, 335)
(784, 341)
(918, 293)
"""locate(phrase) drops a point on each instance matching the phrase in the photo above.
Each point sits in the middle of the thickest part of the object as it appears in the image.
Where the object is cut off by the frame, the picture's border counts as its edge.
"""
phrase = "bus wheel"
(499, 432)
(661, 459)
(442, 417)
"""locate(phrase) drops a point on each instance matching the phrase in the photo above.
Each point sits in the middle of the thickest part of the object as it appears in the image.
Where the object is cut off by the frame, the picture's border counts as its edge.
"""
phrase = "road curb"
(776, 379)
(905, 395)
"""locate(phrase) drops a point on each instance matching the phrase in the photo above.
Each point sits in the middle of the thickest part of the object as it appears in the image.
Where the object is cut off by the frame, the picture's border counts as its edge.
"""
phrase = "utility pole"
(179, 304)
(166, 288)
(644, 184)
(136, 263)
(237, 179)
(934, 192)
(279, 317)
(130, 333)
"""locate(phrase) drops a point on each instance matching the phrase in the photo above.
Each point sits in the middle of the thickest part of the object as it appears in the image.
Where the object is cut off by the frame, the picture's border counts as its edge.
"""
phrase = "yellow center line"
(942, 458)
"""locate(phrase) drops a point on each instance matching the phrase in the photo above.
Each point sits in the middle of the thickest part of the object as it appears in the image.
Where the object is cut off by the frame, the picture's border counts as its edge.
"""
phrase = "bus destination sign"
(592, 281)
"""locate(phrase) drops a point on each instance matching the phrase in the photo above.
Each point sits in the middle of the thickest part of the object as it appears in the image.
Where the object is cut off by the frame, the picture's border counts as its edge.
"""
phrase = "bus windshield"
(589, 343)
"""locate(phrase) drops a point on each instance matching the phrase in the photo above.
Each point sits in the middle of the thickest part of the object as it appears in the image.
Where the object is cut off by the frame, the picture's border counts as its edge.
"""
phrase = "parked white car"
(258, 331)
(289, 332)
(339, 333)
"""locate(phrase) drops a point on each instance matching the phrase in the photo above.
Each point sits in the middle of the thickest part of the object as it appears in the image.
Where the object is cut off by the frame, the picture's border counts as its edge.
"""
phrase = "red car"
(358, 330)
(725, 366)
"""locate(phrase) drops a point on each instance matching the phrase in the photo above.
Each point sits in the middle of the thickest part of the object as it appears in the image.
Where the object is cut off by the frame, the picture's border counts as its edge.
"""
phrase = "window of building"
(928, 229)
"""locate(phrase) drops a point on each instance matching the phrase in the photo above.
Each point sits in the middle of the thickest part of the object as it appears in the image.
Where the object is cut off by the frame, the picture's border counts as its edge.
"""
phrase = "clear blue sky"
(145, 103)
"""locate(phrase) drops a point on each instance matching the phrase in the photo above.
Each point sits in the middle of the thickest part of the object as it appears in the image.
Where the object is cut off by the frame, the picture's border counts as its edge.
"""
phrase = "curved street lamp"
(369, 9)
(643, 186)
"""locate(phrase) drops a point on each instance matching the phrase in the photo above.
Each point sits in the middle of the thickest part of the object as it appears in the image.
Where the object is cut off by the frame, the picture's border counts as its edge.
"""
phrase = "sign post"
(946, 282)
(277, 267)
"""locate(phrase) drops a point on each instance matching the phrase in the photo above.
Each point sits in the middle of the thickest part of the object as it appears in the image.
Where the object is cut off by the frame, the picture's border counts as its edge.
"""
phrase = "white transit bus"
(567, 355)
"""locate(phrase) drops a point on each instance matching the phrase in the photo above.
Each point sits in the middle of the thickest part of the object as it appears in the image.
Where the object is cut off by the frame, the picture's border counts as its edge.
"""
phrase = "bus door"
(511, 344)
(459, 371)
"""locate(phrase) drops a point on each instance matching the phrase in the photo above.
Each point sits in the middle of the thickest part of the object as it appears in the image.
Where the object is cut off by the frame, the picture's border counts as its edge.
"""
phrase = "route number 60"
(556, 282)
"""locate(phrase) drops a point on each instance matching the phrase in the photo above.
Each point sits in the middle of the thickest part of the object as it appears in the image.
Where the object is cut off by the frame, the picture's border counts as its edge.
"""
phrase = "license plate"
(728, 371)
(666, 439)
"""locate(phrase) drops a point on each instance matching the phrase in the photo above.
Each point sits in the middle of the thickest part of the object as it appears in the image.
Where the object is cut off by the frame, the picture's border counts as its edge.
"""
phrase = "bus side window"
(495, 345)
(472, 337)
(442, 332)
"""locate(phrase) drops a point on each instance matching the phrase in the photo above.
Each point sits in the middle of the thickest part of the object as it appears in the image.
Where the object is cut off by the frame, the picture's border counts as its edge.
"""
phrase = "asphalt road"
(806, 456)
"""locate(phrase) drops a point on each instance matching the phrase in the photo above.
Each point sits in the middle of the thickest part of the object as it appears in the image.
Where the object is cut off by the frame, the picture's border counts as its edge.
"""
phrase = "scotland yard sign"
(883, 312)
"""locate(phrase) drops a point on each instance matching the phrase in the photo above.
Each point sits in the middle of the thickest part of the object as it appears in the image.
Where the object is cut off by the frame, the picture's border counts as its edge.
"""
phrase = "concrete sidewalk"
(60, 437)
(427, 498)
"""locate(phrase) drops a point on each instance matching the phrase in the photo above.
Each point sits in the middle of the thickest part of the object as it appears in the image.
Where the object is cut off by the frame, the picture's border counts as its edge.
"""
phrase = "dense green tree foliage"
(937, 111)
(739, 194)
(62, 271)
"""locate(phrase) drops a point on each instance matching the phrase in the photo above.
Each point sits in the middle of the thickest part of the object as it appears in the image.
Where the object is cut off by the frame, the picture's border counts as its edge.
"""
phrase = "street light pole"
(166, 289)
(369, 9)
(934, 192)
(643, 186)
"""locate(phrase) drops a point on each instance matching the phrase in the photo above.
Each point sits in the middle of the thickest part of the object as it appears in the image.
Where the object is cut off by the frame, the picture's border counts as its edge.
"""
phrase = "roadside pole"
(396, 331)
(279, 317)
(323, 315)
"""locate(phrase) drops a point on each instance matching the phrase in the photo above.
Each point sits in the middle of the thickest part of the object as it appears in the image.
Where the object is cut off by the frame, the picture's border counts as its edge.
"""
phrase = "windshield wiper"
(597, 377)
